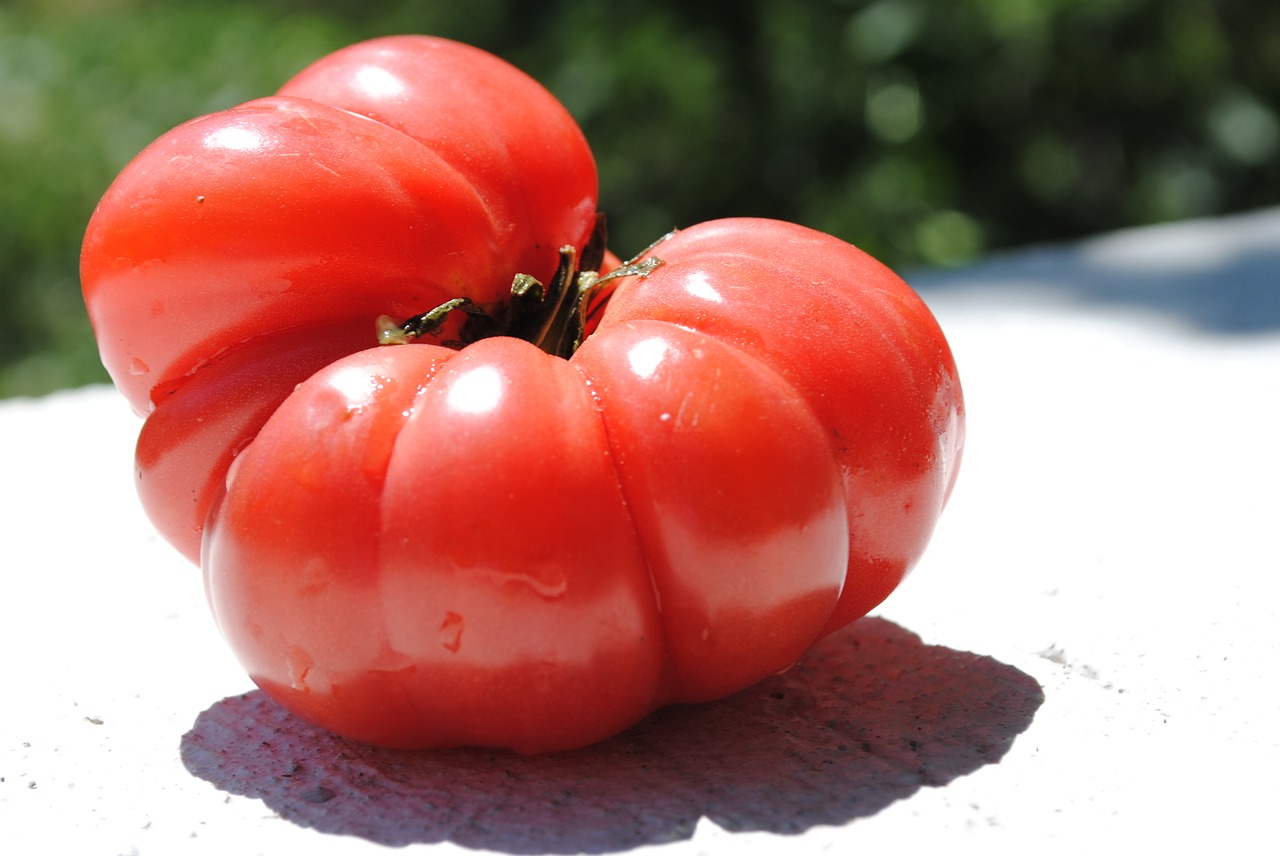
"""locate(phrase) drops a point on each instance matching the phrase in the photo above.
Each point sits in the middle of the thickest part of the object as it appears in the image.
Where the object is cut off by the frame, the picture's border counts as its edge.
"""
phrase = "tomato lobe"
(735, 494)
(859, 346)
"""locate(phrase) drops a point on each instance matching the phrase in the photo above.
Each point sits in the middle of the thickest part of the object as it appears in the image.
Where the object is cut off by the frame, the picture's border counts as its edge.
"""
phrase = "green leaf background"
(927, 132)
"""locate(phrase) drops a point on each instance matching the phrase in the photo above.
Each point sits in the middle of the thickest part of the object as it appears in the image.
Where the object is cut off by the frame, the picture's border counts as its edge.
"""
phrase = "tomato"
(391, 175)
(858, 345)
(552, 504)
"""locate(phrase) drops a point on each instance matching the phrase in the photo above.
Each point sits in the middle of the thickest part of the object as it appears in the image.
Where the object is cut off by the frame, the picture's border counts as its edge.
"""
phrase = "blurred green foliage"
(925, 132)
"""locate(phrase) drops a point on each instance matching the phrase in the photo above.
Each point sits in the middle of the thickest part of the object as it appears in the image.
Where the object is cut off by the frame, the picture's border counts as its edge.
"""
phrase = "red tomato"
(427, 547)
(857, 344)
(387, 177)
(490, 544)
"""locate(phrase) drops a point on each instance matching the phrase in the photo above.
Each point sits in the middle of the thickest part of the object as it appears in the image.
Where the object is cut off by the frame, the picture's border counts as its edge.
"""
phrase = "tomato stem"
(391, 333)
(555, 317)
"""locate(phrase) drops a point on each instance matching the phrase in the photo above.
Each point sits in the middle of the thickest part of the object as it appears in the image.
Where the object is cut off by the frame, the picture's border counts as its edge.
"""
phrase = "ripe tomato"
(735, 445)
(245, 249)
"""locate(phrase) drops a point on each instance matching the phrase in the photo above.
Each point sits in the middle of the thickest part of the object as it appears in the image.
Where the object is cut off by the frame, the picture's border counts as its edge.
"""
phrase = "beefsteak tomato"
(690, 471)
(243, 250)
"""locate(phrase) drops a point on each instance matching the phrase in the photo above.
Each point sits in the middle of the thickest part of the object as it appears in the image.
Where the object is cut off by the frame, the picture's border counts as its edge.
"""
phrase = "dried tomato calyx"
(554, 317)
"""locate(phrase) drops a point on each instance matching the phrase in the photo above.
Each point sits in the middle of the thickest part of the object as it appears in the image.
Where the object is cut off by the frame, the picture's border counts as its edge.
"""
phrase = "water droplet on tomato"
(304, 675)
(299, 663)
(138, 367)
(451, 631)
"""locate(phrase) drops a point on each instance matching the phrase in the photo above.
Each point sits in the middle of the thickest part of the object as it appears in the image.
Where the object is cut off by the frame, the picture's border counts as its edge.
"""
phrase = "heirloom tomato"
(243, 250)
(550, 502)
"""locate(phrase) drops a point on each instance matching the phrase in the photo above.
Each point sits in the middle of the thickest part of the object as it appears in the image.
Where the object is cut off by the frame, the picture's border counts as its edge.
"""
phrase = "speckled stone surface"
(1082, 660)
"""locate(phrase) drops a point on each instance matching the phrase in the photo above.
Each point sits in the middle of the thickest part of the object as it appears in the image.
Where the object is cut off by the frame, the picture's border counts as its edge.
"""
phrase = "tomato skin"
(540, 188)
(186, 446)
(350, 219)
(861, 348)
(273, 542)
(735, 495)
(272, 235)
(493, 570)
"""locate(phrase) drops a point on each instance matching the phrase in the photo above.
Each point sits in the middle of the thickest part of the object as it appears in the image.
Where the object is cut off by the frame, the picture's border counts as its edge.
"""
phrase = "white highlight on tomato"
(355, 385)
(698, 285)
(476, 391)
(379, 82)
(236, 138)
(645, 356)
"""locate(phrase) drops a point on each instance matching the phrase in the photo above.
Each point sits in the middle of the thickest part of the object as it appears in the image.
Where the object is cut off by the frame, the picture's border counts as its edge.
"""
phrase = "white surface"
(1109, 557)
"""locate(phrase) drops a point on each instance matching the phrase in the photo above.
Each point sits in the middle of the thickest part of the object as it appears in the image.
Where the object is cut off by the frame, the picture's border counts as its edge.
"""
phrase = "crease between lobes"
(503, 581)
(743, 524)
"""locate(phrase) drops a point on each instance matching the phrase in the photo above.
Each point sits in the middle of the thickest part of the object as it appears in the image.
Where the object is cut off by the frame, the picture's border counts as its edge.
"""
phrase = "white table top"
(1084, 657)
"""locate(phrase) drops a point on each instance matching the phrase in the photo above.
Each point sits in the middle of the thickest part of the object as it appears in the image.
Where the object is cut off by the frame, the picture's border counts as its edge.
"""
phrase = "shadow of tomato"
(867, 718)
